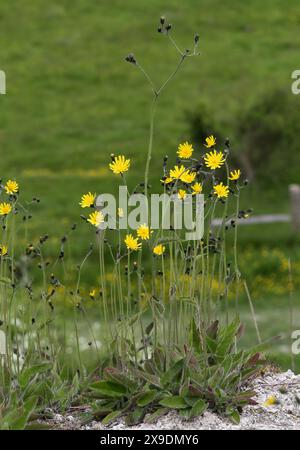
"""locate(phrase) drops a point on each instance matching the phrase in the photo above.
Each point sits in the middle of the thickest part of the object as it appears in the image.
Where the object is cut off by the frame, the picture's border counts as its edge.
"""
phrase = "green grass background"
(72, 100)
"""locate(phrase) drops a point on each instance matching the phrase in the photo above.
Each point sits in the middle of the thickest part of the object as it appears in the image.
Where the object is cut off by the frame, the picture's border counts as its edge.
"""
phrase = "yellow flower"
(188, 177)
(120, 212)
(197, 188)
(132, 243)
(185, 150)
(210, 141)
(181, 194)
(221, 191)
(96, 218)
(119, 165)
(235, 175)
(272, 400)
(177, 172)
(167, 180)
(87, 200)
(11, 187)
(5, 208)
(214, 160)
(144, 232)
(92, 293)
(3, 250)
(159, 250)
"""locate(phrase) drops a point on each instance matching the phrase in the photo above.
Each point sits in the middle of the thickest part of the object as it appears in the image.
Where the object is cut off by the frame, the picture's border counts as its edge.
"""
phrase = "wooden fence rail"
(293, 217)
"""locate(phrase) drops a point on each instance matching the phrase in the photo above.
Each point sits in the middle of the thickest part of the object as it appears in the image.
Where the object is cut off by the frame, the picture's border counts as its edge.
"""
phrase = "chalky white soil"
(284, 415)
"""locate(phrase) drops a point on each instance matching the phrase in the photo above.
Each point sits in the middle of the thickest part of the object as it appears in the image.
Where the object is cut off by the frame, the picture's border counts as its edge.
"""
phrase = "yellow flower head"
(210, 141)
(177, 172)
(159, 250)
(167, 180)
(235, 175)
(3, 250)
(87, 200)
(214, 160)
(272, 400)
(5, 208)
(185, 150)
(119, 165)
(92, 293)
(197, 188)
(181, 194)
(11, 187)
(120, 212)
(188, 177)
(132, 243)
(221, 190)
(96, 218)
(144, 232)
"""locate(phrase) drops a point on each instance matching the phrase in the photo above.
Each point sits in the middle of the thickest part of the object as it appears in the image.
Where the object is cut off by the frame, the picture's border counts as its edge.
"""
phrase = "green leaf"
(146, 398)
(152, 379)
(135, 417)
(226, 338)
(17, 418)
(233, 415)
(111, 417)
(169, 376)
(174, 402)
(156, 415)
(211, 345)
(29, 373)
(195, 337)
(159, 359)
(198, 409)
(119, 377)
(109, 388)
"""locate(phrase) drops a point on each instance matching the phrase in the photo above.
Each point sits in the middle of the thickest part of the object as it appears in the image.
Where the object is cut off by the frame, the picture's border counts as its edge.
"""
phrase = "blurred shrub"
(266, 136)
(269, 135)
(202, 124)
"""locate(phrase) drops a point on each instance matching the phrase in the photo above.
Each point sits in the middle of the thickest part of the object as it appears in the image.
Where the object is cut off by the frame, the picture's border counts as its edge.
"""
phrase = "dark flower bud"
(168, 27)
(196, 38)
(162, 20)
(130, 58)
(227, 142)
(159, 29)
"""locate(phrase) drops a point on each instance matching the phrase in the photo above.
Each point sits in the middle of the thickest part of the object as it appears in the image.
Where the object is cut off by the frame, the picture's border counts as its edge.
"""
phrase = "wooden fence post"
(294, 190)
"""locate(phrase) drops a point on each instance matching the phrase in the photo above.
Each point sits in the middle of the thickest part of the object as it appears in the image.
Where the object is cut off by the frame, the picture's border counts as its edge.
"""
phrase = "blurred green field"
(72, 100)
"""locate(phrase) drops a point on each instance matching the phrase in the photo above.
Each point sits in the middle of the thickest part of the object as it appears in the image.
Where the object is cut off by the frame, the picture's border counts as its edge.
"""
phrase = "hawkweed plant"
(166, 339)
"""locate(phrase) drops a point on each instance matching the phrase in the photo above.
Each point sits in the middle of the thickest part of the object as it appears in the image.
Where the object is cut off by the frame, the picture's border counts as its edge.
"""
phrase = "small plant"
(208, 374)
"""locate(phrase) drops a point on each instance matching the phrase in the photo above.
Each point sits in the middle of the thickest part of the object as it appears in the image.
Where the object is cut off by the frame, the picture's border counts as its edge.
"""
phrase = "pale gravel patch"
(284, 416)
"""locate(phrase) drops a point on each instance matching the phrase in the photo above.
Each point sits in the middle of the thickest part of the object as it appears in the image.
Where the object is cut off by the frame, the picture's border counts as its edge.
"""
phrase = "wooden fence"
(293, 217)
